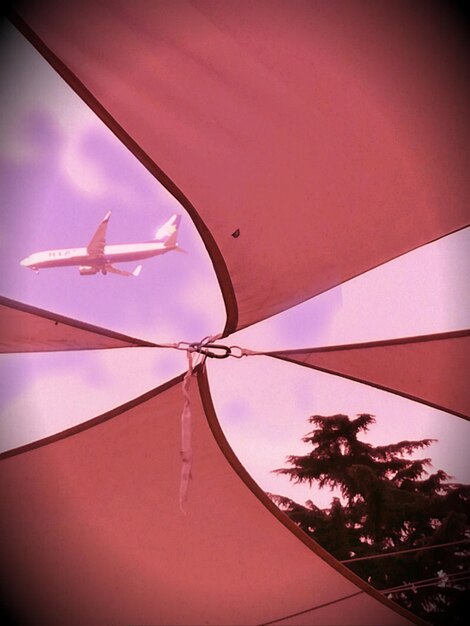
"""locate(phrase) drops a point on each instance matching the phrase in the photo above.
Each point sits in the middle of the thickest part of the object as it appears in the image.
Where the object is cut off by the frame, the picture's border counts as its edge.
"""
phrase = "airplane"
(99, 257)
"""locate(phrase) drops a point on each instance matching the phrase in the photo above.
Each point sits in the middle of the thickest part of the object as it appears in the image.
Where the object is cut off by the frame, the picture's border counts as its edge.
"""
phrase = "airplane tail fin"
(168, 233)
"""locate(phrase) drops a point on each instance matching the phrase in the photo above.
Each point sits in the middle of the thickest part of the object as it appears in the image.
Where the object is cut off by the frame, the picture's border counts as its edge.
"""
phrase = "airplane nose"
(24, 262)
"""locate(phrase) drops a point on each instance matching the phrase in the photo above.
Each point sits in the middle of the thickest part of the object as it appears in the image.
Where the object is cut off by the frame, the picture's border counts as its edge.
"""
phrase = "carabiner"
(208, 350)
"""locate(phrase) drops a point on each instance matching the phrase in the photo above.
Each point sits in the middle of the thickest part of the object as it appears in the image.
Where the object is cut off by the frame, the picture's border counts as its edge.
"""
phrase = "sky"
(61, 170)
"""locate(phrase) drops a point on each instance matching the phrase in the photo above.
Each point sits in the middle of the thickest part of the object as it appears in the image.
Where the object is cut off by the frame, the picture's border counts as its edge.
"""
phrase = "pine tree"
(388, 502)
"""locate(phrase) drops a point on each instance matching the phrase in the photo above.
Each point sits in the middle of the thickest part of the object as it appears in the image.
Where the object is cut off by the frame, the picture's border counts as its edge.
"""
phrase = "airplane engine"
(87, 270)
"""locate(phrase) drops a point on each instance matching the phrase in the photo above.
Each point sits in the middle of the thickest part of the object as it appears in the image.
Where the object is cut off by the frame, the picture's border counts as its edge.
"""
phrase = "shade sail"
(25, 328)
(432, 369)
(354, 605)
(92, 531)
(330, 135)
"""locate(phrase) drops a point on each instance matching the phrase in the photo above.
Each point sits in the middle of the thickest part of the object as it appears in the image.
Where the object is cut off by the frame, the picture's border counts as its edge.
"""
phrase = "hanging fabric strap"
(186, 448)
(197, 353)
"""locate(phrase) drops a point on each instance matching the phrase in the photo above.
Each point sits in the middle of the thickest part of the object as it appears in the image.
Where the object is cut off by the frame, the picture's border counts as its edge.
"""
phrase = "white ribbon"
(186, 448)
(193, 355)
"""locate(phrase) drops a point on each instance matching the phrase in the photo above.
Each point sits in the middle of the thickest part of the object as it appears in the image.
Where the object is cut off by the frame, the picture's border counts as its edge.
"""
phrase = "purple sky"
(61, 170)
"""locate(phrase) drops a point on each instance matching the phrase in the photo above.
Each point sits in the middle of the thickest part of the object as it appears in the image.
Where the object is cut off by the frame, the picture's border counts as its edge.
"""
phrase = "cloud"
(55, 400)
(82, 173)
(30, 87)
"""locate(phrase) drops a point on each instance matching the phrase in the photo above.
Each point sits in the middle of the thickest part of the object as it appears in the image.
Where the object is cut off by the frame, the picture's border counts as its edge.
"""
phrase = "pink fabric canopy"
(92, 533)
(25, 328)
(432, 369)
(330, 137)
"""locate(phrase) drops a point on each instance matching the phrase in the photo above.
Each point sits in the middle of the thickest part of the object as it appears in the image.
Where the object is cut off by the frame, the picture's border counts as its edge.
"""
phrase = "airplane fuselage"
(79, 256)
(100, 257)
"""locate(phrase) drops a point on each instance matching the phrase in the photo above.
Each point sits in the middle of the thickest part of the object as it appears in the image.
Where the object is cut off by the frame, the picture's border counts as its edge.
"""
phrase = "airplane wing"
(96, 246)
(114, 270)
